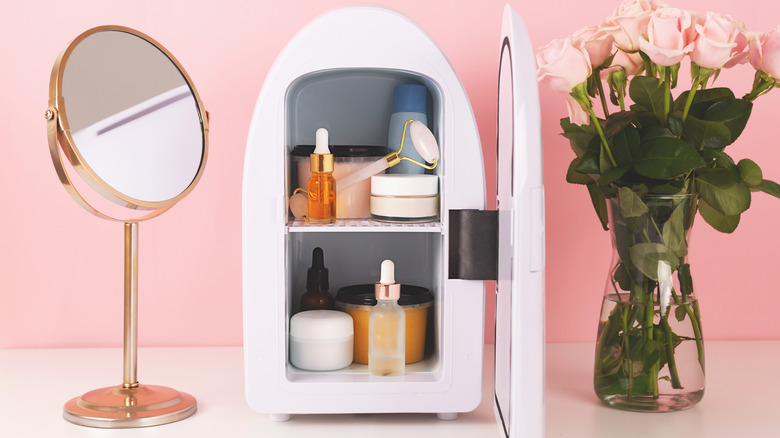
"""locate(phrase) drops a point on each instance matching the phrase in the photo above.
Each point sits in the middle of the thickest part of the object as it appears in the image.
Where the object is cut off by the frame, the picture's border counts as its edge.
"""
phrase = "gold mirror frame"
(130, 404)
(59, 130)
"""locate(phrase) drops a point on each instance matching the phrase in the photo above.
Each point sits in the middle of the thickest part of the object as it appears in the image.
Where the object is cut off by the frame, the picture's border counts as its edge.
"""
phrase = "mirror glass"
(132, 116)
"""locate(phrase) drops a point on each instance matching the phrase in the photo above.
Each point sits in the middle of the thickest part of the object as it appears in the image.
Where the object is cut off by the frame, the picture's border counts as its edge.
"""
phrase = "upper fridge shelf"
(363, 225)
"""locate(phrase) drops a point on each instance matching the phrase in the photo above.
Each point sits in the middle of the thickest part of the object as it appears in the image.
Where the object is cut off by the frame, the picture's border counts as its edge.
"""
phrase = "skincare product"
(405, 198)
(386, 326)
(321, 340)
(417, 302)
(322, 185)
(410, 102)
(317, 296)
(352, 200)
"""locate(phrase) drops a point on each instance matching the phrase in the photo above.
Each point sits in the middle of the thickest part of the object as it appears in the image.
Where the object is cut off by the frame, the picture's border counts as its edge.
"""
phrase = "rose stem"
(626, 348)
(601, 96)
(652, 379)
(667, 91)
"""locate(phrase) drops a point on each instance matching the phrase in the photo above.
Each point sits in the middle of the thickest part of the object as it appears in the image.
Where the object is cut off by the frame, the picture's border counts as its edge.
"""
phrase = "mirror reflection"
(132, 116)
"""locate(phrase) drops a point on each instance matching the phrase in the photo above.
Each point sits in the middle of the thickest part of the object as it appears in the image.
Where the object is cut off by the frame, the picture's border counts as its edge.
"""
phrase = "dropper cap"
(387, 288)
(321, 159)
(317, 279)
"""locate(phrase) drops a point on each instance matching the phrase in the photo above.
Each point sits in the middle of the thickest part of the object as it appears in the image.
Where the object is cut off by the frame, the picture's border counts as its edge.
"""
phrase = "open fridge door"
(519, 340)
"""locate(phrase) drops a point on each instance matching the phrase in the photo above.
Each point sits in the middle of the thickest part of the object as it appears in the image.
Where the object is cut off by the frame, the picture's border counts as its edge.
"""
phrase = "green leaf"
(722, 160)
(649, 93)
(646, 256)
(622, 277)
(589, 163)
(626, 144)
(616, 122)
(716, 219)
(675, 124)
(702, 100)
(653, 132)
(679, 312)
(686, 281)
(718, 189)
(704, 134)
(673, 188)
(734, 113)
(574, 177)
(599, 204)
(581, 137)
(667, 158)
(674, 231)
(613, 174)
(749, 172)
(568, 126)
(770, 188)
(631, 205)
(580, 142)
(604, 163)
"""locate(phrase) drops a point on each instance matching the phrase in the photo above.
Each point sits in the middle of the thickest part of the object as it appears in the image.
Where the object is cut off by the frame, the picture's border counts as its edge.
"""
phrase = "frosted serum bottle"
(387, 326)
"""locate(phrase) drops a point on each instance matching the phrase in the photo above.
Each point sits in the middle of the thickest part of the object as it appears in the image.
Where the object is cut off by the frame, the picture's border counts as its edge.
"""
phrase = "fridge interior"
(355, 106)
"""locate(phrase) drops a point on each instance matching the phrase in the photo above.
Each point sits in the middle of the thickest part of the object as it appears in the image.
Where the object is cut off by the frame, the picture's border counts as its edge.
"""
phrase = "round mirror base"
(119, 407)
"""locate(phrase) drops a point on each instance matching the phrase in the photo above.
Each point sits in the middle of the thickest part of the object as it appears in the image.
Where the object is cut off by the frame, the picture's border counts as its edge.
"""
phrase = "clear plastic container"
(352, 202)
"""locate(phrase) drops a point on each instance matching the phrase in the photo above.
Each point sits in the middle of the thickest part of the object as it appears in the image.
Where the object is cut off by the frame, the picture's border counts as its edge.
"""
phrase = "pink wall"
(61, 268)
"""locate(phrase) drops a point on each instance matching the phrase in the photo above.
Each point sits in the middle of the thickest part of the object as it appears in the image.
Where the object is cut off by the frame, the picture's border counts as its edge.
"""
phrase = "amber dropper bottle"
(317, 296)
(322, 185)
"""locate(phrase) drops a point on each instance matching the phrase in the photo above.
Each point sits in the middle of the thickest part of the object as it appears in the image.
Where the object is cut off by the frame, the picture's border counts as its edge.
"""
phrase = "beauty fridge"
(340, 73)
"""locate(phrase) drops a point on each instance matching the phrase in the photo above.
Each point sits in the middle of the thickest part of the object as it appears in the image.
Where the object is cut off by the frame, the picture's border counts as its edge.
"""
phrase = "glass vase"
(649, 349)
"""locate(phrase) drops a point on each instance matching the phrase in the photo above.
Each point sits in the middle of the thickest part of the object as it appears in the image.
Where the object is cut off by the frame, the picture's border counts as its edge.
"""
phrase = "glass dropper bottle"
(317, 295)
(322, 185)
(387, 326)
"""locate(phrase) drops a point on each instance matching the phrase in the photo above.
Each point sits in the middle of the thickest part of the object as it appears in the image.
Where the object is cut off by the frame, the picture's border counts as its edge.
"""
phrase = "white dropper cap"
(386, 288)
(321, 143)
(387, 272)
(321, 159)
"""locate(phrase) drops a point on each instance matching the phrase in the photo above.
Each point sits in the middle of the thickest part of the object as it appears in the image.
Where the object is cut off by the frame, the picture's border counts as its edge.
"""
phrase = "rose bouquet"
(649, 163)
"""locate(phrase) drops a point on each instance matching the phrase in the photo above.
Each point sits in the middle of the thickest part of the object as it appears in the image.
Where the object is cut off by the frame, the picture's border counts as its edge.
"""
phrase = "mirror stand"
(130, 404)
(134, 130)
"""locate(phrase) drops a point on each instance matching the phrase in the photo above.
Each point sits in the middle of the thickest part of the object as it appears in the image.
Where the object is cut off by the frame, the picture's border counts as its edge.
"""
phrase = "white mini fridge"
(339, 73)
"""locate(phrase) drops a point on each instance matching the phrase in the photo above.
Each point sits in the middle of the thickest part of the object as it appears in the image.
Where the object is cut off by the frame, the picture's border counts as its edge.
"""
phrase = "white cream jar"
(405, 198)
(321, 340)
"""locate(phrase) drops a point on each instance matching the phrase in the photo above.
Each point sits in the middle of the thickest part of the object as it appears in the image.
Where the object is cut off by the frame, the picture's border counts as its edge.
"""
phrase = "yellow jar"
(417, 303)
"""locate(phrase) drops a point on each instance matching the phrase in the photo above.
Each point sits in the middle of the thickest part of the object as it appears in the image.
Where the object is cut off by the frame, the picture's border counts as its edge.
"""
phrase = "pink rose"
(741, 51)
(628, 23)
(765, 53)
(670, 36)
(577, 115)
(716, 43)
(597, 42)
(629, 62)
(562, 65)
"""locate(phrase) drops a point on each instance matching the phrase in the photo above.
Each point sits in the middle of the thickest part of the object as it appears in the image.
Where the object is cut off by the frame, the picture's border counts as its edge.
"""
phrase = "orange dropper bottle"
(322, 185)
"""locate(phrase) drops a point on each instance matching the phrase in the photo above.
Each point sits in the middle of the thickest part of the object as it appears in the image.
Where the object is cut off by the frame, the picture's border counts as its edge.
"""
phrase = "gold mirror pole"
(130, 404)
(130, 346)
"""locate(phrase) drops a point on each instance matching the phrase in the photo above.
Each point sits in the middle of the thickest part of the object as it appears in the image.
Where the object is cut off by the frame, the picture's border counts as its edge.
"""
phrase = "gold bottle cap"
(321, 163)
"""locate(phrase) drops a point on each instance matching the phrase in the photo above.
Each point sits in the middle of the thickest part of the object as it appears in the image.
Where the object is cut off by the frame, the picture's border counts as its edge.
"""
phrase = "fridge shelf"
(427, 370)
(363, 225)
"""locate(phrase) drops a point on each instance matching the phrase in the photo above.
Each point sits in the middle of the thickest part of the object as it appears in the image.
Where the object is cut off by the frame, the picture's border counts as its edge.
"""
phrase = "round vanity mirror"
(127, 119)
(130, 122)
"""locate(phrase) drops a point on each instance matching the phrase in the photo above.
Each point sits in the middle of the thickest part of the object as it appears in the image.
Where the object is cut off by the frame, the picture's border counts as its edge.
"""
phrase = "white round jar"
(321, 340)
(405, 198)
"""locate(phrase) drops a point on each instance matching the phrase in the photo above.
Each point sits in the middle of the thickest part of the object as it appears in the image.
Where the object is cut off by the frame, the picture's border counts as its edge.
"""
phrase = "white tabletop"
(34, 384)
